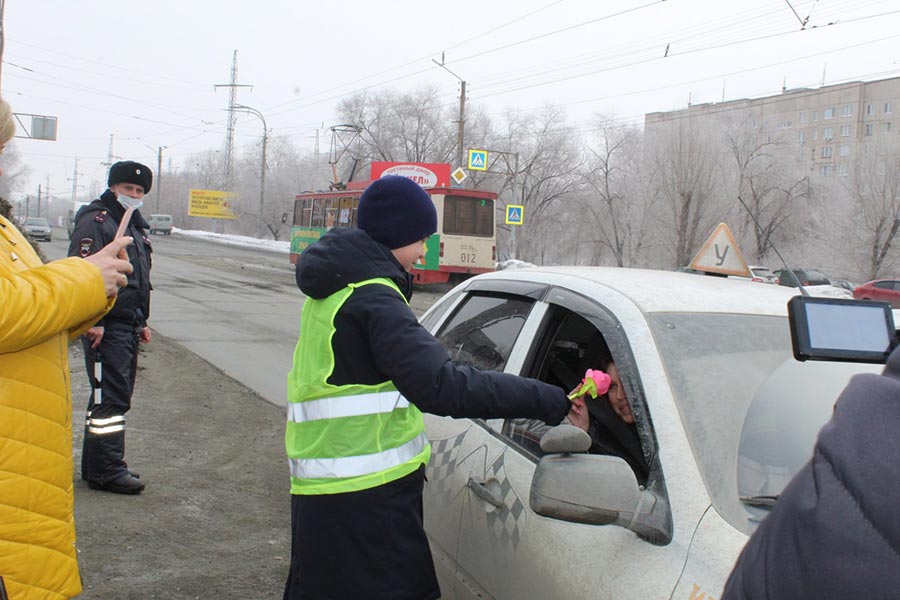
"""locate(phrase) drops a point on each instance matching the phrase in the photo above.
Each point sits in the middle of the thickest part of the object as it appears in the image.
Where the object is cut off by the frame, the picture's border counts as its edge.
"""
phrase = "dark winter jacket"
(95, 227)
(835, 531)
(371, 543)
(378, 338)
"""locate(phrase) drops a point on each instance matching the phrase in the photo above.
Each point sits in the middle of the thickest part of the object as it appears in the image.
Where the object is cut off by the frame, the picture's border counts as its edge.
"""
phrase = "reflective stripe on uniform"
(345, 406)
(108, 425)
(355, 466)
(98, 375)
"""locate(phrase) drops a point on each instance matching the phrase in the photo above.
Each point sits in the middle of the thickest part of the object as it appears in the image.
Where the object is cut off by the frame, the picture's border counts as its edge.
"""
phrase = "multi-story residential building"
(826, 130)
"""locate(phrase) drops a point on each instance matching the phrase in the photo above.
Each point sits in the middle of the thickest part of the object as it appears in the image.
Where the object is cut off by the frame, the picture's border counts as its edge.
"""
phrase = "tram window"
(344, 212)
(331, 210)
(468, 216)
(318, 213)
(306, 217)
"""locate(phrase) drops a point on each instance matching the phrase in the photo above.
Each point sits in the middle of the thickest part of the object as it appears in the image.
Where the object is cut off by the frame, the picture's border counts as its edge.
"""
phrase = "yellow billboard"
(212, 203)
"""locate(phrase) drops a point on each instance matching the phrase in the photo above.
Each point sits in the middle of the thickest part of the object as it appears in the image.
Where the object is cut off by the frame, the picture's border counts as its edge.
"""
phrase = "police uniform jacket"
(95, 227)
(44, 306)
(834, 531)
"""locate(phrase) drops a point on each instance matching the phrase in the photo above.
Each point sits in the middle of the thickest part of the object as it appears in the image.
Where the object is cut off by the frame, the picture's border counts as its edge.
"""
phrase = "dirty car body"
(724, 413)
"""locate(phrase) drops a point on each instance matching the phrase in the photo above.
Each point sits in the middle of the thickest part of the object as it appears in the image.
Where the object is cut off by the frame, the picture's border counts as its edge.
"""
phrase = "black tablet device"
(841, 330)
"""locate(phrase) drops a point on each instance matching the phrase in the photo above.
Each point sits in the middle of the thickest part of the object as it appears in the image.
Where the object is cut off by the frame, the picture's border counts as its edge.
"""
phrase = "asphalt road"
(205, 432)
(237, 307)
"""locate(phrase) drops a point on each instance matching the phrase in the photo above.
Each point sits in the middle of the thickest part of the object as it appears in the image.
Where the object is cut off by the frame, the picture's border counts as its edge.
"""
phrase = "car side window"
(884, 285)
(570, 346)
(484, 328)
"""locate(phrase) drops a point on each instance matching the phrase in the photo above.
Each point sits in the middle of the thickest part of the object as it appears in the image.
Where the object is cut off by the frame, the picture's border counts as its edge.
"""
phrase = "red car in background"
(885, 290)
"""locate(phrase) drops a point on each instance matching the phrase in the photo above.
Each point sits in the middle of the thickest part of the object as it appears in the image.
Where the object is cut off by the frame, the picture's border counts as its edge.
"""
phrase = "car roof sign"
(720, 254)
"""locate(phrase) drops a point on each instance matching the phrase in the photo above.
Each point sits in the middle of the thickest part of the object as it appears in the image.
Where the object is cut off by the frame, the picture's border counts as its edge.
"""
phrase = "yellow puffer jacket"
(41, 307)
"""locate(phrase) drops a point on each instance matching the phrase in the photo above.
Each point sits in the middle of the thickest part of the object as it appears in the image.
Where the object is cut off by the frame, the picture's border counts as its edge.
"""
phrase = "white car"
(724, 414)
(38, 228)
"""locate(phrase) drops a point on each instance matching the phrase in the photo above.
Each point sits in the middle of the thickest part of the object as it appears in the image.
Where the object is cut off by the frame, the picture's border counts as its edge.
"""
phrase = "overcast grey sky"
(145, 72)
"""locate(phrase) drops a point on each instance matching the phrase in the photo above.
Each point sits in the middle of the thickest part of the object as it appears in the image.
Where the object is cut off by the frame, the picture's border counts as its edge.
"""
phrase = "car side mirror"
(597, 490)
(565, 438)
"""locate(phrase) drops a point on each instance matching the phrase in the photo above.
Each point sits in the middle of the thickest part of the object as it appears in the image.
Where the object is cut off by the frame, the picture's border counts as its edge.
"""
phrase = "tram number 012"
(467, 257)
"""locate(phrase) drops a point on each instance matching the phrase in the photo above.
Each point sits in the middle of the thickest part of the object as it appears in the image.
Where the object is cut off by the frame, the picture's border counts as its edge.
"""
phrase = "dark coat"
(834, 532)
(378, 338)
(372, 543)
(95, 227)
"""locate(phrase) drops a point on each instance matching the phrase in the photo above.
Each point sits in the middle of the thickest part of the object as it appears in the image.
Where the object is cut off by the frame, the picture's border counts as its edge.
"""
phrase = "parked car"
(762, 274)
(759, 274)
(725, 416)
(842, 283)
(805, 277)
(38, 228)
(160, 224)
(885, 290)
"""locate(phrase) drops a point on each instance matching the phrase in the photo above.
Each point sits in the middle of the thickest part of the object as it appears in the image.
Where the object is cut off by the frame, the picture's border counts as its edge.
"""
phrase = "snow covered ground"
(237, 240)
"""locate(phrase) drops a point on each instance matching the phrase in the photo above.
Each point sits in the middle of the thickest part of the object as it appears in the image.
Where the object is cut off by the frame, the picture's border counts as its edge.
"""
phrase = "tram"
(465, 242)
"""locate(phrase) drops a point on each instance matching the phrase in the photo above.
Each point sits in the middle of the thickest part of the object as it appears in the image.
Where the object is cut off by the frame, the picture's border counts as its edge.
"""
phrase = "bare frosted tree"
(766, 186)
(550, 161)
(617, 211)
(685, 172)
(874, 190)
(398, 126)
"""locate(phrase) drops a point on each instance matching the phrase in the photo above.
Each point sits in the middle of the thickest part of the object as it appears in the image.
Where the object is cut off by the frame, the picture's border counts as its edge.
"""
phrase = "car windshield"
(36, 221)
(751, 411)
(762, 272)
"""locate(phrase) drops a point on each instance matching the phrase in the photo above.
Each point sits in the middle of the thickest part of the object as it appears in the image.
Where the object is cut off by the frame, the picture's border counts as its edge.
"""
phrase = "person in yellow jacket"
(42, 307)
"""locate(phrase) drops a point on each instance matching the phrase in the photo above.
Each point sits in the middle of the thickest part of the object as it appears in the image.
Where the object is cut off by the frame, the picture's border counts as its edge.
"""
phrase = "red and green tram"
(465, 242)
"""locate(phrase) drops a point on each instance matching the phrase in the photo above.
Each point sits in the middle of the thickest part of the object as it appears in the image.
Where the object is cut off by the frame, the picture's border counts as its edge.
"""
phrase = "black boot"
(126, 484)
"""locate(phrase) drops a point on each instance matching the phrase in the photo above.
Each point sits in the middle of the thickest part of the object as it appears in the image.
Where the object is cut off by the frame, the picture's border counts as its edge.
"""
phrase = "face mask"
(128, 201)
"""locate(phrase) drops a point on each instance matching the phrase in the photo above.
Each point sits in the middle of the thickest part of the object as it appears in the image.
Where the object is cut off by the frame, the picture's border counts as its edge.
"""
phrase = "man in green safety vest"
(364, 370)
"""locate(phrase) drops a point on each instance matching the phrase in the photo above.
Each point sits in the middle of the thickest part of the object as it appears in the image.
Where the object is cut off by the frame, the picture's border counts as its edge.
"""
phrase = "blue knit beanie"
(396, 211)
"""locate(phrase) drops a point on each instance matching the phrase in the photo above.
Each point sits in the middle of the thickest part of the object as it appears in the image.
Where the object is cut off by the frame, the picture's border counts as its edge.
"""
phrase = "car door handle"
(487, 492)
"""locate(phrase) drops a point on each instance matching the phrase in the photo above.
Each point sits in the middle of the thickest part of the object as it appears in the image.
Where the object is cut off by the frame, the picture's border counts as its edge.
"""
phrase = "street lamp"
(262, 173)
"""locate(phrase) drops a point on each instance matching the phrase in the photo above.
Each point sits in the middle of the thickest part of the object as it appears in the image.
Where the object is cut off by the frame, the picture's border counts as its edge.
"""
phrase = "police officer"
(111, 345)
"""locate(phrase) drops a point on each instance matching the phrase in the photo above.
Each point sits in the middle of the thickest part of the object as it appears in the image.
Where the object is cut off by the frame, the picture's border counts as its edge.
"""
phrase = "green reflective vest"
(345, 438)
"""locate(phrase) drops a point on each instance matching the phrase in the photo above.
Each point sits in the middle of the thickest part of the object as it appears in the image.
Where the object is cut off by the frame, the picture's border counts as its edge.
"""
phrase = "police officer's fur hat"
(396, 211)
(128, 171)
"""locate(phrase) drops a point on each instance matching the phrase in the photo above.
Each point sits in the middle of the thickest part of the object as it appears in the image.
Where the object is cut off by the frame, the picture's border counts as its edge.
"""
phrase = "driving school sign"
(212, 204)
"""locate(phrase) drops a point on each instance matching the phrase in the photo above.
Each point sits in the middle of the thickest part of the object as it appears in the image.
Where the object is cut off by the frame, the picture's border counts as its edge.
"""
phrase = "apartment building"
(825, 130)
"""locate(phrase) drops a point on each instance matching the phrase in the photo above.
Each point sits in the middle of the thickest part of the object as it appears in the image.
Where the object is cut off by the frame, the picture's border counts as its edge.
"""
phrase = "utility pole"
(39, 203)
(229, 140)
(47, 196)
(159, 176)
(262, 173)
(109, 153)
(509, 168)
(461, 123)
(512, 228)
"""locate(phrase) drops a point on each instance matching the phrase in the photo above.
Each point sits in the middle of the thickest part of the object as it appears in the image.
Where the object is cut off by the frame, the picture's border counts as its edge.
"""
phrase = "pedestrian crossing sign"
(515, 214)
(478, 160)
